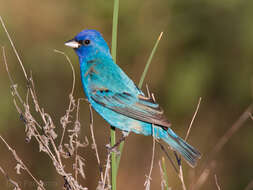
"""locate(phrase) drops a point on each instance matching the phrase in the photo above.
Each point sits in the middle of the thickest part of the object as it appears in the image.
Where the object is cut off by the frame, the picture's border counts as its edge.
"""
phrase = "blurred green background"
(206, 51)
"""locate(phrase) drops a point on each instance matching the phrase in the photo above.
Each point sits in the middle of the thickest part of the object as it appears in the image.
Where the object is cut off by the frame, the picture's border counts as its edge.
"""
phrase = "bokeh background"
(206, 51)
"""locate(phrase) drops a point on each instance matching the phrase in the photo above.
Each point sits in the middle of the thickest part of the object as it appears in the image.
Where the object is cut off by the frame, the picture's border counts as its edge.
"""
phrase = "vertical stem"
(140, 85)
(113, 159)
(114, 28)
(114, 48)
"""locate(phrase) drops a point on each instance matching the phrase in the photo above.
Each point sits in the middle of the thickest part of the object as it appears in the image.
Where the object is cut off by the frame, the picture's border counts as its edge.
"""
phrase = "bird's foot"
(112, 149)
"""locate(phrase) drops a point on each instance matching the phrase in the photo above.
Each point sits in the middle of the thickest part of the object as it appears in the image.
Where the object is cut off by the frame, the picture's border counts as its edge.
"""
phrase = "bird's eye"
(86, 42)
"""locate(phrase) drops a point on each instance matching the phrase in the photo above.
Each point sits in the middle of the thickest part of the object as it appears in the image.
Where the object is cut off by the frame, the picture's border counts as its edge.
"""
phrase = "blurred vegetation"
(206, 51)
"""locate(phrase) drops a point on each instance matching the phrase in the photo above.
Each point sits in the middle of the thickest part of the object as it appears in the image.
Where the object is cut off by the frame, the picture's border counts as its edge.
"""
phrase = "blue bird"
(117, 99)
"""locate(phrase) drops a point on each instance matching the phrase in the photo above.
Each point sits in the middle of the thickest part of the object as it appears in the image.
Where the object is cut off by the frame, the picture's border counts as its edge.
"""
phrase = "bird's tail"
(190, 154)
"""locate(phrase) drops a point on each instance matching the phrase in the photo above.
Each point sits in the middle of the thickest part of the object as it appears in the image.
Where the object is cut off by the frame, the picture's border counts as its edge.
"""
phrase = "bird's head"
(88, 43)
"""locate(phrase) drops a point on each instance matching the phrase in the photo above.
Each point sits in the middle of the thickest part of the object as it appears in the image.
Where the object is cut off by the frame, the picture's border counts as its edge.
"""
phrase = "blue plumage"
(117, 99)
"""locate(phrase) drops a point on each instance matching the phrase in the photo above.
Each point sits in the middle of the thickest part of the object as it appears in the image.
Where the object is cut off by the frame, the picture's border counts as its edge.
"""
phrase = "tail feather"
(189, 153)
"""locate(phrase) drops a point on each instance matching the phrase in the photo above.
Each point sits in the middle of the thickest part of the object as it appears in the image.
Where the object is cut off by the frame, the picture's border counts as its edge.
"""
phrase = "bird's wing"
(138, 107)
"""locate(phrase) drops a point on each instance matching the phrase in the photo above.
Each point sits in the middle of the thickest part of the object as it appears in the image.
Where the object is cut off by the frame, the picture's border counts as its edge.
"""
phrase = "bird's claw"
(112, 149)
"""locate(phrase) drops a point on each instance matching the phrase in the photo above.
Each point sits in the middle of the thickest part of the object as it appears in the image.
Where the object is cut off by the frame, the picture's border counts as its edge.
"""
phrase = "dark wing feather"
(141, 108)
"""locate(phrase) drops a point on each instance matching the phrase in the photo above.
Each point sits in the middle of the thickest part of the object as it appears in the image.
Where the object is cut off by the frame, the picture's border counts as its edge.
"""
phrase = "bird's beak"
(72, 43)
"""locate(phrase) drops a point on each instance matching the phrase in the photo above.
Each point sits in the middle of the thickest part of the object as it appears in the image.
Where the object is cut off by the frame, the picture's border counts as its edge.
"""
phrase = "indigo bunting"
(117, 99)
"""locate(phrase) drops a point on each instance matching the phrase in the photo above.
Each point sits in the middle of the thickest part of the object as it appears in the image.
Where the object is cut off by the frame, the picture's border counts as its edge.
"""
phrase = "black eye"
(86, 42)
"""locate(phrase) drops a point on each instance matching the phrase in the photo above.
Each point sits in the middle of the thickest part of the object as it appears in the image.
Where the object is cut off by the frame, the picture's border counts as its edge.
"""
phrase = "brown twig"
(107, 169)
(178, 158)
(78, 159)
(14, 183)
(27, 116)
(94, 145)
(148, 178)
(13, 85)
(21, 164)
(13, 47)
(193, 118)
(162, 174)
(44, 133)
(76, 148)
(219, 145)
(216, 182)
(231, 131)
(181, 177)
(65, 118)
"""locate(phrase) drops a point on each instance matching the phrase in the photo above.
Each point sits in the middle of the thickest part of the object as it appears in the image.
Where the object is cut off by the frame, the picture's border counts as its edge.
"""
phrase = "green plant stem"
(113, 133)
(121, 146)
(140, 85)
(114, 28)
(113, 159)
(149, 61)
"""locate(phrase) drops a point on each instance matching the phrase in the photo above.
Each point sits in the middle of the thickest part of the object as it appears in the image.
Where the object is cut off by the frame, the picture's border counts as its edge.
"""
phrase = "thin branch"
(231, 131)
(72, 68)
(180, 174)
(43, 133)
(6, 65)
(9, 179)
(76, 148)
(147, 182)
(193, 118)
(181, 177)
(178, 158)
(37, 135)
(162, 173)
(216, 182)
(20, 162)
(94, 145)
(203, 177)
(75, 133)
(65, 118)
(164, 176)
(13, 47)
(106, 175)
(13, 86)
(219, 145)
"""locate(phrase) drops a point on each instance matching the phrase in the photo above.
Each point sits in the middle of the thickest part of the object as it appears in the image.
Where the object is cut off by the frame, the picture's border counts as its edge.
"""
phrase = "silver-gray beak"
(72, 43)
